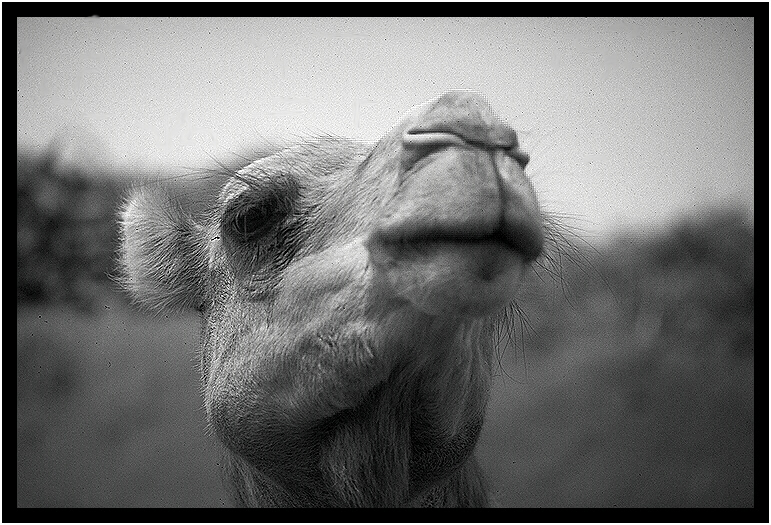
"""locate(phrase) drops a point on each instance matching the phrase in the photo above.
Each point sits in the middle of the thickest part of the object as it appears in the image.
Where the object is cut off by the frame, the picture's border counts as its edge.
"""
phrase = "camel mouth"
(458, 235)
(496, 239)
(461, 194)
(415, 235)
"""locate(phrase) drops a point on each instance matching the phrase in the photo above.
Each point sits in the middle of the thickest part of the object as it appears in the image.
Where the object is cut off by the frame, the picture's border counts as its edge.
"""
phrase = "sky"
(630, 123)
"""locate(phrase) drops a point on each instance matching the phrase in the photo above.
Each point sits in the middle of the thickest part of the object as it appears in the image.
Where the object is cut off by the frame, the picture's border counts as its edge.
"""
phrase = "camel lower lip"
(459, 276)
(483, 257)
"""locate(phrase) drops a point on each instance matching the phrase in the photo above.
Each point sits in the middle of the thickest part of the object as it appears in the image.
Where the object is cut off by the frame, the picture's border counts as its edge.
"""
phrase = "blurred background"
(630, 379)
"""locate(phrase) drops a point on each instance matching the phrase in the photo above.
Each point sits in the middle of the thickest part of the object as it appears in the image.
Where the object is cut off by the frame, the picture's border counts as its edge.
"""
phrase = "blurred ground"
(638, 387)
(109, 410)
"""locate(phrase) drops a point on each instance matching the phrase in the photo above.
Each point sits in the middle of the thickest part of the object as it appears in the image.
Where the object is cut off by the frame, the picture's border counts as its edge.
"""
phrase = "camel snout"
(462, 118)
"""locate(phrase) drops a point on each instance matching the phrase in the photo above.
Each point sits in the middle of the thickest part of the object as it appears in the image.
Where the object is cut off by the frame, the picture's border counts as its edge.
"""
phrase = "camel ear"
(163, 253)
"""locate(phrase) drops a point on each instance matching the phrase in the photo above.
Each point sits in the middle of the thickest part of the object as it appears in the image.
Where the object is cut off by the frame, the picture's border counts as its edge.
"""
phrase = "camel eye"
(256, 219)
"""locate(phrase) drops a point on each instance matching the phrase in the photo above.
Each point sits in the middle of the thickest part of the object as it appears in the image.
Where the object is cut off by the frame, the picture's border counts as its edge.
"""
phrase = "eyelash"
(256, 219)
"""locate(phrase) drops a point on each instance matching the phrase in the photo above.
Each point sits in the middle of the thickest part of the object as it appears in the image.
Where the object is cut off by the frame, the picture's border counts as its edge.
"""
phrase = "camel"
(352, 297)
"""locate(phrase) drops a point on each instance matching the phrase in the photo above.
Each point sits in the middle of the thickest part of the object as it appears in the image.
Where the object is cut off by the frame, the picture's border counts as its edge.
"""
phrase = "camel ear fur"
(163, 254)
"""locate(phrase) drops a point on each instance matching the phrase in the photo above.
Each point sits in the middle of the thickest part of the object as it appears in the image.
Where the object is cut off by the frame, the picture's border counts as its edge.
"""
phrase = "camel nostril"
(481, 134)
(468, 116)
(520, 156)
(421, 139)
(459, 119)
(415, 146)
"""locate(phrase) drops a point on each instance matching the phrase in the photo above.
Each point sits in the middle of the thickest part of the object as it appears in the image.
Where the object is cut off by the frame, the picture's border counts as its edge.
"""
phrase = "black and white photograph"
(387, 262)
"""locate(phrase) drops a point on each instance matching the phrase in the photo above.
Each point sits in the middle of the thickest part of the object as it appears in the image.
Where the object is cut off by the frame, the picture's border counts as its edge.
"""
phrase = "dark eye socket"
(256, 219)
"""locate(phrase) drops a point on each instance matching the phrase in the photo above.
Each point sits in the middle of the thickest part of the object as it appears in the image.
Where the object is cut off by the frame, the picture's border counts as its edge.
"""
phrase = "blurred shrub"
(697, 279)
(66, 232)
(66, 223)
(690, 287)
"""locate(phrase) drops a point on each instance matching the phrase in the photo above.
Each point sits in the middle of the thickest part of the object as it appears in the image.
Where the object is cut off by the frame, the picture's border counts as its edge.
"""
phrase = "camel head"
(351, 296)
